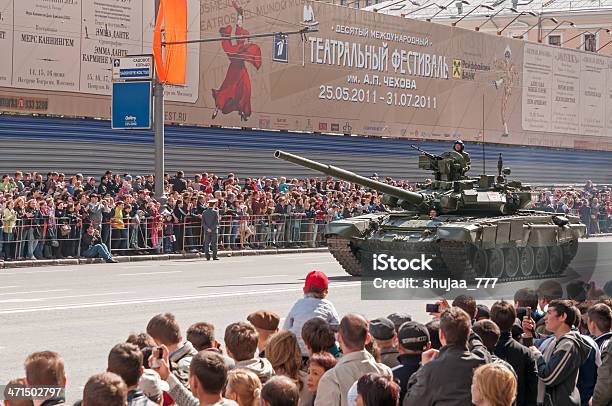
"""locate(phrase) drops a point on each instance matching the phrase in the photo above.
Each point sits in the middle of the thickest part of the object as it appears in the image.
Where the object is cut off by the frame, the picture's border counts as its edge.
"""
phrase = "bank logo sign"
(457, 69)
(466, 70)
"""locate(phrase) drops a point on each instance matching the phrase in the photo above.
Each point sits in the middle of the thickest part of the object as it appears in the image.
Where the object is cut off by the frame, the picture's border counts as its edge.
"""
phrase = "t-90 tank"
(480, 227)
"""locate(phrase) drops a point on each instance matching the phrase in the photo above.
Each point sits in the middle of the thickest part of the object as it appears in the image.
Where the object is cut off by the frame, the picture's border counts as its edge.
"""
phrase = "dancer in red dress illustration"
(235, 91)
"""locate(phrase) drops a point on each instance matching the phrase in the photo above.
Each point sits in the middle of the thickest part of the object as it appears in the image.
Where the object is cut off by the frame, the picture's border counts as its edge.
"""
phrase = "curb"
(601, 235)
(162, 257)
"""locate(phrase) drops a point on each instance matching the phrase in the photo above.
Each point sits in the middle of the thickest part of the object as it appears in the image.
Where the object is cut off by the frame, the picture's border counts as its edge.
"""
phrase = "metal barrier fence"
(60, 238)
(261, 232)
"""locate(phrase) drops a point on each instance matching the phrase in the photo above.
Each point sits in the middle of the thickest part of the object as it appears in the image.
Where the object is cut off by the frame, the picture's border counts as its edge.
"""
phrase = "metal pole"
(484, 159)
(158, 125)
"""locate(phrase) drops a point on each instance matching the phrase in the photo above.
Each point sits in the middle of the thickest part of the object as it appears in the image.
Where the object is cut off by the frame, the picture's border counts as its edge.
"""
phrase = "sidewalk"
(160, 257)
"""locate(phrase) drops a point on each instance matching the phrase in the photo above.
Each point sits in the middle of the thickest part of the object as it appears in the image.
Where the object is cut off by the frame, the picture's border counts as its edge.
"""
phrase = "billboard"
(354, 72)
(66, 46)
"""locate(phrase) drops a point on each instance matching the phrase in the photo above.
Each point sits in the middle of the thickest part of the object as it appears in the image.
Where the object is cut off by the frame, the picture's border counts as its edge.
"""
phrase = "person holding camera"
(93, 247)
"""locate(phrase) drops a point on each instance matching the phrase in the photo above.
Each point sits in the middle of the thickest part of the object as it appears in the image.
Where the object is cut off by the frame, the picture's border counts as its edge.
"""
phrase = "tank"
(471, 227)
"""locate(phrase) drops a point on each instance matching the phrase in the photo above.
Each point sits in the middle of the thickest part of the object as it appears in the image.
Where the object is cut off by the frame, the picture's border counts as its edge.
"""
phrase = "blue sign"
(131, 106)
(138, 67)
(136, 73)
(280, 48)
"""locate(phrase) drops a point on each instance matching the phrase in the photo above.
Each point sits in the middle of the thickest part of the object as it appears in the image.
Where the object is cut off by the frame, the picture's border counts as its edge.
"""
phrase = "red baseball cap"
(317, 279)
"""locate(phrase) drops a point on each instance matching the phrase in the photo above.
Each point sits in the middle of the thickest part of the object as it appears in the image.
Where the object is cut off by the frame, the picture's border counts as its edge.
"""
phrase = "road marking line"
(87, 295)
(9, 287)
(321, 263)
(261, 276)
(165, 299)
(20, 300)
(42, 299)
(35, 272)
(148, 273)
(34, 291)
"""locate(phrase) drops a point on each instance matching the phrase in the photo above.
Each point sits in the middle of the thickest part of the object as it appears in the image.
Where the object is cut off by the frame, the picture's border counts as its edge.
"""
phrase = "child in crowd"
(169, 237)
(313, 304)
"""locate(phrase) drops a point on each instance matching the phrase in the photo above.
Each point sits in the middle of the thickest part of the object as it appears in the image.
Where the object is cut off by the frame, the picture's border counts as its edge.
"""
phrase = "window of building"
(554, 40)
(590, 42)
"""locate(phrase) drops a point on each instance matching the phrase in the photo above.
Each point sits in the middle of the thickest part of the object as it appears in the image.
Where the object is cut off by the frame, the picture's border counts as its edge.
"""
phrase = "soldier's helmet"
(461, 146)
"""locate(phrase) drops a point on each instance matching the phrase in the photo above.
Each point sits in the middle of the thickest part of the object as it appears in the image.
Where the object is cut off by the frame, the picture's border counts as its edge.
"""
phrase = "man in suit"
(210, 223)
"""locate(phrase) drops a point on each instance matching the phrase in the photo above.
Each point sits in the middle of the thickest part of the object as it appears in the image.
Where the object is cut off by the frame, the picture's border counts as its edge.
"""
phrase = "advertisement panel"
(69, 46)
(353, 72)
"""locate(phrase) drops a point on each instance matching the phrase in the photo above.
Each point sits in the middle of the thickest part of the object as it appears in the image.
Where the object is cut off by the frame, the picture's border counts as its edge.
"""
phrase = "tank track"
(340, 248)
(459, 256)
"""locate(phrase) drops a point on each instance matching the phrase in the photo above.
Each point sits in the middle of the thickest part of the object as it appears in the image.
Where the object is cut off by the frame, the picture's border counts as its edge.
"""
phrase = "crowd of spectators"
(48, 217)
(550, 346)
(593, 204)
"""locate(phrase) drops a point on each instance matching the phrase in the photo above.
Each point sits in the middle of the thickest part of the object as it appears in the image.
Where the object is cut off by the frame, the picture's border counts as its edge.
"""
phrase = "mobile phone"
(160, 354)
(432, 308)
(528, 311)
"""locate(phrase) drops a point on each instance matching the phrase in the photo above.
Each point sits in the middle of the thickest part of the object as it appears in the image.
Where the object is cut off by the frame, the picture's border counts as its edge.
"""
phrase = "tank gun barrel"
(399, 193)
(427, 154)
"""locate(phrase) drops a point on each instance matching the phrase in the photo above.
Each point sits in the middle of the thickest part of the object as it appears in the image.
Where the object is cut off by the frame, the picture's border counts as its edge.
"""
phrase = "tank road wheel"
(480, 262)
(527, 260)
(496, 262)
(541, 259)
(556, 259)
(512, 261)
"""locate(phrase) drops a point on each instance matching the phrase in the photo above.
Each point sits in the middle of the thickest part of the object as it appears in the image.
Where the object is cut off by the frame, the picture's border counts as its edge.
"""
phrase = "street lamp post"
(376, 10)
(158, 125)
(556, 27)
(494, 15)
(422, 8)
(523, 13)
(603, 46)
(442, 8)
(454, 24)
(554, 20)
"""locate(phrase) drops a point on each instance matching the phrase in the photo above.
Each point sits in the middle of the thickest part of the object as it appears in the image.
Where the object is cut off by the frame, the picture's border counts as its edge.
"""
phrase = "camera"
(432, 308)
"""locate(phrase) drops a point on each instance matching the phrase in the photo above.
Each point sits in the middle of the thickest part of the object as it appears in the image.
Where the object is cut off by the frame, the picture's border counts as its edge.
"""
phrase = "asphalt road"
(82, 311)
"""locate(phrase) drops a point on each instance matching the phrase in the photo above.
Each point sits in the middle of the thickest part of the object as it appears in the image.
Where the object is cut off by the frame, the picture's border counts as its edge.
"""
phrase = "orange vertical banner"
(171, 59)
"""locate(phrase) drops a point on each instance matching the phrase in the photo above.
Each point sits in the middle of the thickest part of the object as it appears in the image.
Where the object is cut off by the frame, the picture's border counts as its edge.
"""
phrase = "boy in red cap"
(313, 304)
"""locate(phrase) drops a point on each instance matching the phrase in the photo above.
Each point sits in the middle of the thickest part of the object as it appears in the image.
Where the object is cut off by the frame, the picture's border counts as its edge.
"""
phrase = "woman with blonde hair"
(493, 385)
(243, 387)
(283, 352)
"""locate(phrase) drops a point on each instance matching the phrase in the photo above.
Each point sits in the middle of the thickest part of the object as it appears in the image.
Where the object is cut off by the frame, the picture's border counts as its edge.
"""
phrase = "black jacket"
(179, 185)
(446, 380)
(560, 373)
(524, 365)
(89, 241)
(409, 364)
(603, 340)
